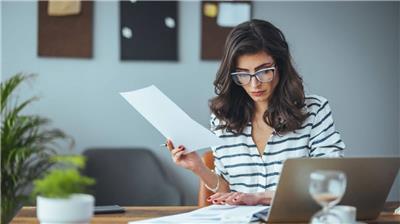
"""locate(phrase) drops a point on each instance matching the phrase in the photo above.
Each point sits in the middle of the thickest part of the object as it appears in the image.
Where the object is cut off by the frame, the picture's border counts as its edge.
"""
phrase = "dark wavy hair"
(233, 106)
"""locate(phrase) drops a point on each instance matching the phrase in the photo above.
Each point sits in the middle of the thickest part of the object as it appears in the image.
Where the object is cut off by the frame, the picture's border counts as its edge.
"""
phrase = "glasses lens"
(265, 75)
(241, 79)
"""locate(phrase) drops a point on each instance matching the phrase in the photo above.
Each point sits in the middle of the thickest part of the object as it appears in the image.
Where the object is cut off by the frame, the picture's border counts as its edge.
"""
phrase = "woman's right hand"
(190, 161)
(239, 198)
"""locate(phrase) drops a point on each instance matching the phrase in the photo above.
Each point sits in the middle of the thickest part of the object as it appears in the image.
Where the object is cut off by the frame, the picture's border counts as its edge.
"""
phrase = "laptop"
(369, 181)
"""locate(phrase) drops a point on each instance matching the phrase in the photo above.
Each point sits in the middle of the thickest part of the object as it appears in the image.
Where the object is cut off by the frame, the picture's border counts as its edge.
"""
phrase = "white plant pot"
(78, 208)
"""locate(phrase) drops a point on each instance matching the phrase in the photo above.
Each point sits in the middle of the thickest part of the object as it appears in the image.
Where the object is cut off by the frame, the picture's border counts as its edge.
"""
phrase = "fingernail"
(215, 201)
(208, 198)
(223, 201)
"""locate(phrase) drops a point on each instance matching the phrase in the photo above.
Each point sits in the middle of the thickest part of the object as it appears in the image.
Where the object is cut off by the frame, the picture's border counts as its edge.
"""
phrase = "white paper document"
(170, 120)
(213, 214)
(232, 14)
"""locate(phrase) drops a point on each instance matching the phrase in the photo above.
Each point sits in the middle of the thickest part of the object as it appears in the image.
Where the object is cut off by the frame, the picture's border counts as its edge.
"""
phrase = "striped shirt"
(240, 164)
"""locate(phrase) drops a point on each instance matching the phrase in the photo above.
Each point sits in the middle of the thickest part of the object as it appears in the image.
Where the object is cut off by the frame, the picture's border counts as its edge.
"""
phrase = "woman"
(263, 116)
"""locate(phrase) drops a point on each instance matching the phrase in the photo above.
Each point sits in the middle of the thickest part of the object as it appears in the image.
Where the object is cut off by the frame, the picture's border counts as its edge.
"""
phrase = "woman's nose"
(254, 81)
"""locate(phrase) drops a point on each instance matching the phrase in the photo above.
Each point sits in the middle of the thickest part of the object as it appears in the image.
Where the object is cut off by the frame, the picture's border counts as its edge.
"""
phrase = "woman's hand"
(239, 198)
(190, 161)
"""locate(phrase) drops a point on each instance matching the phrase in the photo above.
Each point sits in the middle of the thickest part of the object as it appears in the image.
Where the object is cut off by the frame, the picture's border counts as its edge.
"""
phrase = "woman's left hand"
(239, 198)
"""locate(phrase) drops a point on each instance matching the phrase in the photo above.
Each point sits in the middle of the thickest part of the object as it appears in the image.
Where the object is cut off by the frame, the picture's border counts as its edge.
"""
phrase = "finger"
(229, 200)
(174, 151)
(212, 197)
(178, 155)
(267, 195)
(268, 202)
(238, 199)
(270, 194)
(221, 199)
(170, 145)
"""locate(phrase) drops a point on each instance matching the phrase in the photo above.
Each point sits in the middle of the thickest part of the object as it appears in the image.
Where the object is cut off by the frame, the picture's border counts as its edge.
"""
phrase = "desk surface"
(28, 214)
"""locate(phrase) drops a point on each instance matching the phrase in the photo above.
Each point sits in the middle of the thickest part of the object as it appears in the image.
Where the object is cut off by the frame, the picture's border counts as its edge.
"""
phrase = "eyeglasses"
(262, 75)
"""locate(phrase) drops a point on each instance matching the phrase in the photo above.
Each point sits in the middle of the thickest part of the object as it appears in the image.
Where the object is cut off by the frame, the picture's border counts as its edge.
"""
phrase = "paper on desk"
(170, 120)
(211, 214)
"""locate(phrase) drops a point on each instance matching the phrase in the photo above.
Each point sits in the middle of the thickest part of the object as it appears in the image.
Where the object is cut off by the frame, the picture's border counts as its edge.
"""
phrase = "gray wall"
(398, 89)
(346, 51)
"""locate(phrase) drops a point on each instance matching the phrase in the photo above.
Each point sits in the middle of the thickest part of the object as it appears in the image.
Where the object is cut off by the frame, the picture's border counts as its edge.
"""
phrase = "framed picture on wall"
(65, 29)
(217, 20)
(149, 30)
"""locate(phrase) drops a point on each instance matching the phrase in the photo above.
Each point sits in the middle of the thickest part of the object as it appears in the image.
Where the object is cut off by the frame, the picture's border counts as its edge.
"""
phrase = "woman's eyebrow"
(265, 65)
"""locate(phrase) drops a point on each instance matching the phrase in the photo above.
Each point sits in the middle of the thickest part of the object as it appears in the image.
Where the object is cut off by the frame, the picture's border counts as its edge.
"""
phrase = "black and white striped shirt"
(241, 165)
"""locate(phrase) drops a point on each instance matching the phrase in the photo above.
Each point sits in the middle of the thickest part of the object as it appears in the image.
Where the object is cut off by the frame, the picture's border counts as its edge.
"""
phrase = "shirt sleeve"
(325, 141)
(219, 167)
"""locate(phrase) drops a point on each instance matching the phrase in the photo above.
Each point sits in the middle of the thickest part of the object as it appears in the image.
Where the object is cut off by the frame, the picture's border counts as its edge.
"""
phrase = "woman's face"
(251, 63)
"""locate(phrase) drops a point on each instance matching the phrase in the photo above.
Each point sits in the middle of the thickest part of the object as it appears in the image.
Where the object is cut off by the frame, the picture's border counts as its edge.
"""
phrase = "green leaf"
(27, 144)
(62, 183)
(7, 87)
(73, 160)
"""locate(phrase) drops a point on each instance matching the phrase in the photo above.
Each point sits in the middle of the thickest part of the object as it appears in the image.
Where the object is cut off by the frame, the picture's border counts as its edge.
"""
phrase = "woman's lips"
(257, 93)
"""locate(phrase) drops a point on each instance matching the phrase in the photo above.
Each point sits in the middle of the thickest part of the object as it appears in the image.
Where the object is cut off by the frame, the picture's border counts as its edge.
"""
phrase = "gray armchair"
(129, 177)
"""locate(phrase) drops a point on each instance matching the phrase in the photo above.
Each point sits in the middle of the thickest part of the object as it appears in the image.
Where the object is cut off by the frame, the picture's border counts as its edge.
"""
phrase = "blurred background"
(347, 52)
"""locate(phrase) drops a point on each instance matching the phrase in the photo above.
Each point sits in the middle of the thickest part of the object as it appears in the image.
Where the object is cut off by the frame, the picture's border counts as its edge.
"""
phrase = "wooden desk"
(27, 215)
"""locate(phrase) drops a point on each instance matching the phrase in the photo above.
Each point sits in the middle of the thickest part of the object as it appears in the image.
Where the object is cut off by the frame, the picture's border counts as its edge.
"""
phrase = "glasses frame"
(255, 74)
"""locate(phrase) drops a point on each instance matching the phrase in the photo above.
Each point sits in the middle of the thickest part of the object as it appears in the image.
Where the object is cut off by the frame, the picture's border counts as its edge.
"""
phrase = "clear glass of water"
(327, 188)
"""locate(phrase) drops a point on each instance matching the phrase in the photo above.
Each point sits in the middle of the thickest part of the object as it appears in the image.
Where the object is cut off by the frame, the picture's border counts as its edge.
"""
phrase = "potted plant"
(60, 197)
(27, 143)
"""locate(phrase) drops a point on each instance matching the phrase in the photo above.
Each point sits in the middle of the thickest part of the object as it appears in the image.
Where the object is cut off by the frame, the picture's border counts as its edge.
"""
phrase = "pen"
(164, 145)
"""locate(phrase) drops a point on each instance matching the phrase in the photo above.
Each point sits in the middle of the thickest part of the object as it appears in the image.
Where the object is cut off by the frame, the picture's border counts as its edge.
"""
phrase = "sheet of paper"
(211, 214)
(232, 14)
(64, 8)
(170, 120)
